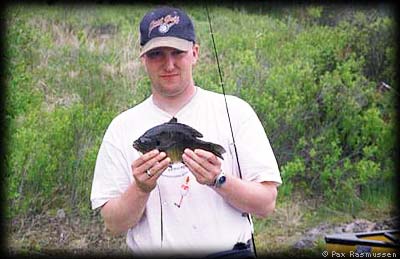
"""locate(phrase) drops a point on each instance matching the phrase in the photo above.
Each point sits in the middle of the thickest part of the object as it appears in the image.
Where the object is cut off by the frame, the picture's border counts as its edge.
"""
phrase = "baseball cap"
(166, 27)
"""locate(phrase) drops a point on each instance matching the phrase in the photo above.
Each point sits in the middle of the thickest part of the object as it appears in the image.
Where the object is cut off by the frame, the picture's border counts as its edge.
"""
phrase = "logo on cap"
(164, 23)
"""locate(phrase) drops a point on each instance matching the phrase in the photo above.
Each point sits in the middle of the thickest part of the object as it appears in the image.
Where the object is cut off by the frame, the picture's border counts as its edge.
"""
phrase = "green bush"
(55, 151)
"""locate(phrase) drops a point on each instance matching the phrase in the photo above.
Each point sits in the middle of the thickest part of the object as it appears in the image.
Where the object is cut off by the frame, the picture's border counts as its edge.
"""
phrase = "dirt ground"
(62, 234)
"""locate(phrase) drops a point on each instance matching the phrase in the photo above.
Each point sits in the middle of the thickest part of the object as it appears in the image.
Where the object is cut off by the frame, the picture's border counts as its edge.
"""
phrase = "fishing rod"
(229, 119)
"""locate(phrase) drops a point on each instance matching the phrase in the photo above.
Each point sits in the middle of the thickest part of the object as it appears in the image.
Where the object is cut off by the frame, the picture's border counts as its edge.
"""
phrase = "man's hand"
(126, 210)
(204, 165)
(256, 198)
(148, 168)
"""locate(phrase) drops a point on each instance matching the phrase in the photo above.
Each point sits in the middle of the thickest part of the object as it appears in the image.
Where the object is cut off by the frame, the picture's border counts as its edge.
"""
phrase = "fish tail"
(213, 148)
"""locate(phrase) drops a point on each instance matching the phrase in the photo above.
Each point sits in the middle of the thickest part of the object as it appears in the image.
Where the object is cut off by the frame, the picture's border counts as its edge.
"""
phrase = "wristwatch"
(219, 180)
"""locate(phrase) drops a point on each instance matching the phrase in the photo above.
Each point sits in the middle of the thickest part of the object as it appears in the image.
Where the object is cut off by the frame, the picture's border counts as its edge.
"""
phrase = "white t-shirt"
(195, 218)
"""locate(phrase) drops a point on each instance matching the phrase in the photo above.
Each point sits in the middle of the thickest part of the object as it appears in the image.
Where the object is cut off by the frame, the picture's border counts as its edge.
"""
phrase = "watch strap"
(219, 180)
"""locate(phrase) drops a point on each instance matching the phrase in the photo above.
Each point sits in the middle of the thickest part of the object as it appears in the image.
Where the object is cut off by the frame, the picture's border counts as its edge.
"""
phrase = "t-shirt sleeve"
(256, 157)
(111, 175)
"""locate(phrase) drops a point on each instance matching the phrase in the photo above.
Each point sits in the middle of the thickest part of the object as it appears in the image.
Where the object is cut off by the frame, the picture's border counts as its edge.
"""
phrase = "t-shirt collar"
(189, 104)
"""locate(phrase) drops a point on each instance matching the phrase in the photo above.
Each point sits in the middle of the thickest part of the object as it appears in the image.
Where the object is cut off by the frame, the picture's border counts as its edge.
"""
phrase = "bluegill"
(172, 138)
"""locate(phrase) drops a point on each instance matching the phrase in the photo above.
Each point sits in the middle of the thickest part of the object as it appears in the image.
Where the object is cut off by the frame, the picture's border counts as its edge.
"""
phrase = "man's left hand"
(204, 165)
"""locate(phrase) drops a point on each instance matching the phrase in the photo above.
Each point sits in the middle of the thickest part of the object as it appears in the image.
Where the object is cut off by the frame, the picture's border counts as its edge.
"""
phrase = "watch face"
(221, 180)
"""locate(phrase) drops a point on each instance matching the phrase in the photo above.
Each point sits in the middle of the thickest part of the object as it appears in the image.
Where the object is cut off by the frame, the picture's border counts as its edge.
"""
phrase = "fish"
(172, 138)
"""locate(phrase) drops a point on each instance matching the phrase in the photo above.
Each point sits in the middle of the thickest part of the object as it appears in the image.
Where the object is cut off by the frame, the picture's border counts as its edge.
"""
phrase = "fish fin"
(192, 131)
(216, 149)
(174, 154)
(173, 120)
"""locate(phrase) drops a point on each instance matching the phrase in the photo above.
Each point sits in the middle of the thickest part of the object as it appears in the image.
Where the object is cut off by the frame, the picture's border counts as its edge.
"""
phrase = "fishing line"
(229, 118)
(223, 91)
(161, 216)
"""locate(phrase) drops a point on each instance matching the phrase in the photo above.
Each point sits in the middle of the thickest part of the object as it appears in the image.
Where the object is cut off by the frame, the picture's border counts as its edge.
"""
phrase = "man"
(195, 207)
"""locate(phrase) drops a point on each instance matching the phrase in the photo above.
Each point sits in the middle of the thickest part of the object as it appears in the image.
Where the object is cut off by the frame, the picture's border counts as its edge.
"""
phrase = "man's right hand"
(148, 168)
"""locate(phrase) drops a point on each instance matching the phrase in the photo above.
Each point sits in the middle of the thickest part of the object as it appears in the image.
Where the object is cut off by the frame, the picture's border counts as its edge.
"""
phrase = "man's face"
(169, 69)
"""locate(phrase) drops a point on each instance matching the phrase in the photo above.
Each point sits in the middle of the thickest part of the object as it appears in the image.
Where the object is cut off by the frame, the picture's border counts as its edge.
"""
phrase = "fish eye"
(145, 140)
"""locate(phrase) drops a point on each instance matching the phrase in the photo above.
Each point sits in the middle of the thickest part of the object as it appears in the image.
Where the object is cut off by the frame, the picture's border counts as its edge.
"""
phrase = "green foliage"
(372, 36)
(312, 89)
(55, 151)
(310, 74)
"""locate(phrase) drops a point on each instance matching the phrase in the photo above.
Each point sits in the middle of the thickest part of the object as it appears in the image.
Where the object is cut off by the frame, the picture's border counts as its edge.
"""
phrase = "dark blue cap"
(166, 27)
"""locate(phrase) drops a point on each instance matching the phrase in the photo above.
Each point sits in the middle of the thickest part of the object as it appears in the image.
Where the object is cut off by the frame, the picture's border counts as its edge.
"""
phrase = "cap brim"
(171, 42)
